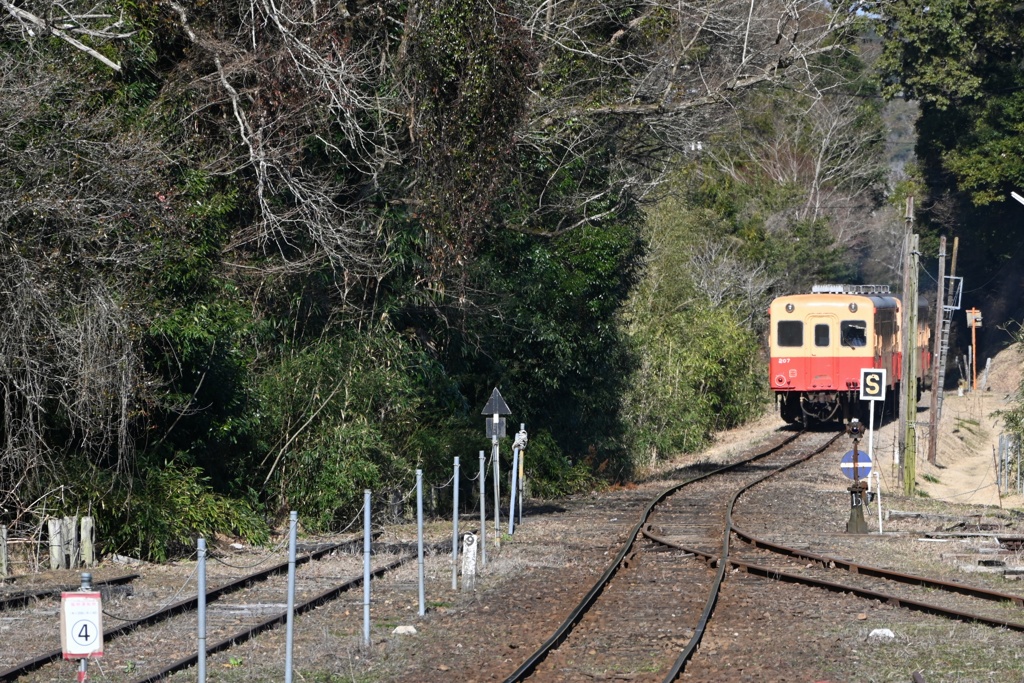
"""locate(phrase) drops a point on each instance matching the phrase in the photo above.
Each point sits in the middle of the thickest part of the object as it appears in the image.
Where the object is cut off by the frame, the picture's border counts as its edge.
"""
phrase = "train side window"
(853, 333)
(791, 333)
(821, 335)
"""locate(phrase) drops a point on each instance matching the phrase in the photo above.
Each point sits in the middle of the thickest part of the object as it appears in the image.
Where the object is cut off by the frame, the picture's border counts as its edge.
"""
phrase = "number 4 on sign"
(81, 625)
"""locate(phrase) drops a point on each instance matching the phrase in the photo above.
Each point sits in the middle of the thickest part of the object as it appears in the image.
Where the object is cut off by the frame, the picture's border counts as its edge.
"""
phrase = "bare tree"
(649, 78)
(66, 20)
(295, 84)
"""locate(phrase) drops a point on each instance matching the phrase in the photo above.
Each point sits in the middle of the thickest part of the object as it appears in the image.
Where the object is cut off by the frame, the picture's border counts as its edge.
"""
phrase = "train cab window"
(791, 333)
(821, 335)
(853, 333)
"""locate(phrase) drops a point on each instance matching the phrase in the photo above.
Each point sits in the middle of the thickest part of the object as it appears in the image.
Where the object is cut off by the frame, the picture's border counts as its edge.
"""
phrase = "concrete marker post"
(455, 527)
(201, 611)
(293, 522)
(366, 568)
(469, 562)
(419, 536)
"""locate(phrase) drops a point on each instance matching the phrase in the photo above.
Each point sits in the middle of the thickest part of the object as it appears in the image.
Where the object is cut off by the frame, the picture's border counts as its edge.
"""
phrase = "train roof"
(850, 289)
(838, 299)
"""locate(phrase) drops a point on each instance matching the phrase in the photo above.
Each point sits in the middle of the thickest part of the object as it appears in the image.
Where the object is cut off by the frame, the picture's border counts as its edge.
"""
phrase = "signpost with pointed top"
(494, 427)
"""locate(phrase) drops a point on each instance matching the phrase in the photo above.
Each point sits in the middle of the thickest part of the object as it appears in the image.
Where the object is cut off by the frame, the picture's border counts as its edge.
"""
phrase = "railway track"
(14, 600)
(669, 574)
(239, 607)
(662, 583)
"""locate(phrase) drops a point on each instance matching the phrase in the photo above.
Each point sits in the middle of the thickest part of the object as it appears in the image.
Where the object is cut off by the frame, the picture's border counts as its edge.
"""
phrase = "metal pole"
(497, 488)
(201, 650)
(871, 431)
(83, 664)
(878, 496)
(293, 523)
(455, 527)
(512, 491)
(419, 535)
(483, 512)
(933, 405)
(366, 567)
(522, 476)
(974, 355)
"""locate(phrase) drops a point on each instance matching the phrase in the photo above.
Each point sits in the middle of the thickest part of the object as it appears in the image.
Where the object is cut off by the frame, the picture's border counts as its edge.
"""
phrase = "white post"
(366, 568)
(455, 527)
(419, 535)
(871, 431)
(469, 562)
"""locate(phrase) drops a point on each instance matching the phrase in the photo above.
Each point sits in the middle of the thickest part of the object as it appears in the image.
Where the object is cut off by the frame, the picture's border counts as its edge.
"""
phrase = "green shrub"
(160, 513)
(551, 473)
(334, 420)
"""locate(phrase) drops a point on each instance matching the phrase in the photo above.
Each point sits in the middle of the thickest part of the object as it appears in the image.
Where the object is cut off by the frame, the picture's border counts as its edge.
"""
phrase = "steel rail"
(709, 608)
(829, 562)
(867, 593)
(563, 631)
(177, 608)
(253, 631)
(24, 597)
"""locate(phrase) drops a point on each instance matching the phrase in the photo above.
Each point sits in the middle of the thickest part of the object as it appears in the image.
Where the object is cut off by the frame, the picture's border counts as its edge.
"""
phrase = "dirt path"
(969, 438)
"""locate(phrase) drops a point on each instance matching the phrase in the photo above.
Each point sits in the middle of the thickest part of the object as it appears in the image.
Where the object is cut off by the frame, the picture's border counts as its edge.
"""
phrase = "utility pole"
(908, 412)
(933, 406)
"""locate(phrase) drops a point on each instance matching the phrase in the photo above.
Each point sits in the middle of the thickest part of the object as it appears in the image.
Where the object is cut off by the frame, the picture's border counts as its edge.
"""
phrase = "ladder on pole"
(954, 290)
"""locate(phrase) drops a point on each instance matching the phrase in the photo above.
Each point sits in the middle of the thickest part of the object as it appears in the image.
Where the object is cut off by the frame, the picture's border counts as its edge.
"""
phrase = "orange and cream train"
(820, 341)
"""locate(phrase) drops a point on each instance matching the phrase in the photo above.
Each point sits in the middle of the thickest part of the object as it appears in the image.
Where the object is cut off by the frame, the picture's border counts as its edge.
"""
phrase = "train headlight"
(790, 308)
(853, 308)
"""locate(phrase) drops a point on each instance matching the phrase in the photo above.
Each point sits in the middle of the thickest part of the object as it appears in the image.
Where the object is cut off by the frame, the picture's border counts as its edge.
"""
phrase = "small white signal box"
(81, 624)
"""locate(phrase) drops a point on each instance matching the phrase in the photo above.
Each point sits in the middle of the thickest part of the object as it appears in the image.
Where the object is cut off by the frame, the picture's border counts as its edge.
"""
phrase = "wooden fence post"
(4, 562)
(88, 541)
(70, 538)
(56, 529)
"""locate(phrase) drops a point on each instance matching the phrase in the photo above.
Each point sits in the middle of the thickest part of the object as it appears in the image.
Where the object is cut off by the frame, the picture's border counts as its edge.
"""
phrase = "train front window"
(821, 335)
(853, 333)
(791, 333)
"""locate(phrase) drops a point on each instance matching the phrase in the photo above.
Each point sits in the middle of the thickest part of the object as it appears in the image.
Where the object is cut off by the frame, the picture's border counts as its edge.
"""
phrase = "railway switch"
(858, 489)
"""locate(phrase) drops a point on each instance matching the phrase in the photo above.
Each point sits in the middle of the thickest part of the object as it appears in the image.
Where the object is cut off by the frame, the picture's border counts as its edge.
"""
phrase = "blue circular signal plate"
(863, 465)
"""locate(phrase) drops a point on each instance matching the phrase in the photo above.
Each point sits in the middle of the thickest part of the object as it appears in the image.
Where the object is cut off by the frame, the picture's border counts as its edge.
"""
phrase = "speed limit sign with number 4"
(81, 625)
